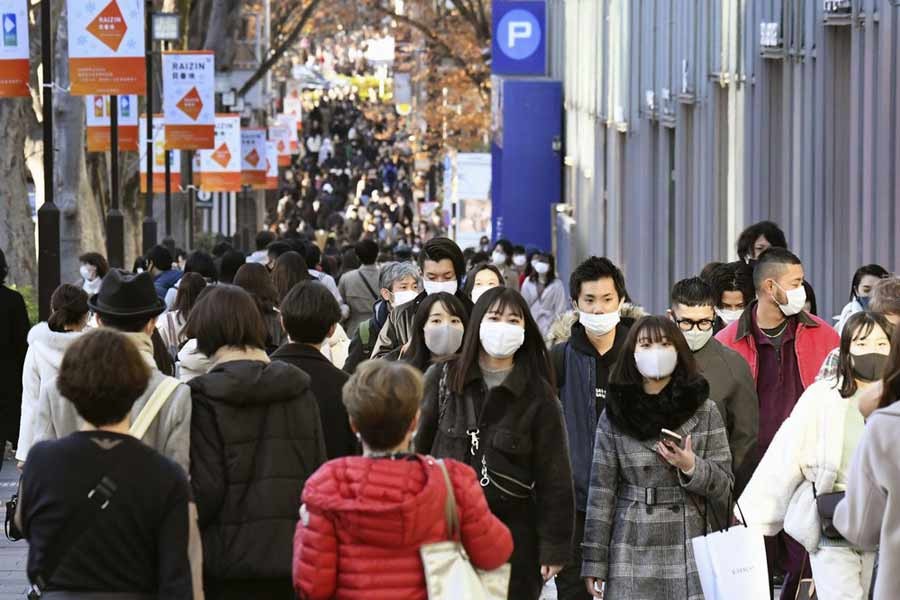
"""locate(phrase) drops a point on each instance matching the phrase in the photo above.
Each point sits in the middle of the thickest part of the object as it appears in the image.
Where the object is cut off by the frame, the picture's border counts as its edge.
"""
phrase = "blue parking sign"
(519, 42)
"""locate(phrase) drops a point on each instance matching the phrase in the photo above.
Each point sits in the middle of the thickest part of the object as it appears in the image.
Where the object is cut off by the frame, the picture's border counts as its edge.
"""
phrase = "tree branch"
(278, 52)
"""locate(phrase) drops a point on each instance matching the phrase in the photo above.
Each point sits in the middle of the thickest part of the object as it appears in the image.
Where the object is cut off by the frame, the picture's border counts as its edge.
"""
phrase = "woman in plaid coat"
(648, 496)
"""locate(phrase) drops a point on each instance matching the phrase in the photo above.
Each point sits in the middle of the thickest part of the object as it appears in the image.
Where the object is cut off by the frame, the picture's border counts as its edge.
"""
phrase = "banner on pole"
(271, 166)
(253, 158)
(159, 157)
(281, 137)
(189, 102)
(14, 67)
(98, 123)
(220, 168)
(106, 47)
(290, 122)
(293, 102)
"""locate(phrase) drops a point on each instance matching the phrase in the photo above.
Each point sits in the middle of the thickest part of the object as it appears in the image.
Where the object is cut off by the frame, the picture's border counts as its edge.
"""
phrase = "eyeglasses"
(701, 325)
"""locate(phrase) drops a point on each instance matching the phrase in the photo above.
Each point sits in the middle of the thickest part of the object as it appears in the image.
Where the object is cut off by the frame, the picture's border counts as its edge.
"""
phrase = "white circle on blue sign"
(519, 34)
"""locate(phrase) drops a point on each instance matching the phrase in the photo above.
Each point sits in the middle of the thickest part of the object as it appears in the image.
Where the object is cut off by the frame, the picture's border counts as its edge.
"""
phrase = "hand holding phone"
(666, 435)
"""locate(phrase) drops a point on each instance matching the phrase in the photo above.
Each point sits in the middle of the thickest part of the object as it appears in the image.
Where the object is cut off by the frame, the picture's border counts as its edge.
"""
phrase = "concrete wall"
(680, 131)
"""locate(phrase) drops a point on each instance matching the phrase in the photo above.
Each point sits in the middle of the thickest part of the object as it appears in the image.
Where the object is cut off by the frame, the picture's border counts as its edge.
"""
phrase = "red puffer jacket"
(364, 520)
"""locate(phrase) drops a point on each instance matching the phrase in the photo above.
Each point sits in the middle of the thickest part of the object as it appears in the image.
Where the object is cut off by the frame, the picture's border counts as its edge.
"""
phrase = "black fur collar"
(642, 416)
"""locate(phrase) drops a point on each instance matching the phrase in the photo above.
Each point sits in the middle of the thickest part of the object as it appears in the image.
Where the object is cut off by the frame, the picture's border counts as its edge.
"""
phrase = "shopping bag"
(738, 557)
(704, 567)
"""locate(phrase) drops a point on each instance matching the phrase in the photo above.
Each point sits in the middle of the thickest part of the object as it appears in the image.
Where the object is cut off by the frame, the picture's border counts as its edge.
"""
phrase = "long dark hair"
(533, 351)
(873, 270)
(189, 288)
(891, 381)
(290, 269)
(551, 274)
(474, 271)
(255, 279)
(418, 354)
(656, 329)
(858, 326)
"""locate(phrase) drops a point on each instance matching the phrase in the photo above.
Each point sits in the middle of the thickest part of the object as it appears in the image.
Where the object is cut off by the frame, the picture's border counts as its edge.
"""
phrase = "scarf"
(642, 416)
(232, 353)
(144, 345)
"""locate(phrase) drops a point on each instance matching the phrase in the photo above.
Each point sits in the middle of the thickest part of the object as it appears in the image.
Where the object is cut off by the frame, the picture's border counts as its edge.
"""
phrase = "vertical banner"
(159, 157)
(403, 93)
(106, 47)
(14, 67)
(220, 169)
(189, 102)
(271, 166)
(293, 102)
(98, 123)
(281, 137)
(253, 158)
(290, 122)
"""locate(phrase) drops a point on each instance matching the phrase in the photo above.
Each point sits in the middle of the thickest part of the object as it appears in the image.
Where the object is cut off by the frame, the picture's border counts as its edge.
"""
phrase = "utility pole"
(148, 228)
(48, 214)
(115, 222)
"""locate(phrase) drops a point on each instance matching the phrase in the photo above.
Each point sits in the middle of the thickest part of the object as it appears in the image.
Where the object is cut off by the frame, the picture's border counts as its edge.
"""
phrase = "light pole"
(166, 28)
(48, 214)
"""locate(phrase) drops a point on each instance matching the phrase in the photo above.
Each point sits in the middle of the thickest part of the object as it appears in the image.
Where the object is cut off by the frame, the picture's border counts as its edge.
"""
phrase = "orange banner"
(221, 182)
(14, 78)
(107, 76)
(190, 137)
(255, 179)
(99, 139)
(159, 182)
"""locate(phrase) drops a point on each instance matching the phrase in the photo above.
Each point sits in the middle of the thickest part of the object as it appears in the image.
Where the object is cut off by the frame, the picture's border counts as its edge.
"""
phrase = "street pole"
(190, 199)
(148, 228)
(115, 222)
(168, 182)
(48, 214)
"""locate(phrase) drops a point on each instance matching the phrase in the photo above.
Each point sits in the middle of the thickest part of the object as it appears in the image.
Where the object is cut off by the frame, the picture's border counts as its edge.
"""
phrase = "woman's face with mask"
(443, 331)
(869, 352)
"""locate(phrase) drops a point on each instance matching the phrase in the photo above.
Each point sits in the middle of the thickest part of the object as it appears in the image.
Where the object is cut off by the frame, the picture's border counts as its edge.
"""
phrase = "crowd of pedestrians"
(278, 427)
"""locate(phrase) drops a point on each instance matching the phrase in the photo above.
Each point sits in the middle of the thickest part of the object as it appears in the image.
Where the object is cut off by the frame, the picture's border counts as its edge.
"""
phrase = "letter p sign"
(518, 34)
(518, 30)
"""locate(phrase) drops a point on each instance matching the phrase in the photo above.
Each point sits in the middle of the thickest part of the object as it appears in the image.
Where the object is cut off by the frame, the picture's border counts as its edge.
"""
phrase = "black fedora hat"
(123, 294)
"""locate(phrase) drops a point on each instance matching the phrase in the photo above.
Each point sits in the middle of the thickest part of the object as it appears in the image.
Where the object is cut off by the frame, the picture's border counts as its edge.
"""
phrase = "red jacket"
(364, 520)
(813, 342)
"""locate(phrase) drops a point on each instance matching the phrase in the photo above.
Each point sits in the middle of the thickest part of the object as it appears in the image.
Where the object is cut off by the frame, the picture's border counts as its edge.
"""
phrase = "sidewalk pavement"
(13, 555)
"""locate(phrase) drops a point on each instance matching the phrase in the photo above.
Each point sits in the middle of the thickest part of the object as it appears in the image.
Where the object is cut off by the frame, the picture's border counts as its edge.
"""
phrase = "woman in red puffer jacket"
(364, 518)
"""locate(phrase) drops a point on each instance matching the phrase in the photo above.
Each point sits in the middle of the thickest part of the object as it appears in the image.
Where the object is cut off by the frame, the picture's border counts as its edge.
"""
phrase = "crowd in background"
(292, 408)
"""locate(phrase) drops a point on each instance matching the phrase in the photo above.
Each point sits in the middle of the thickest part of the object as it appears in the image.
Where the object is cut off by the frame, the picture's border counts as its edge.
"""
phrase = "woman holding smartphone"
(661, 467)
(494, 408)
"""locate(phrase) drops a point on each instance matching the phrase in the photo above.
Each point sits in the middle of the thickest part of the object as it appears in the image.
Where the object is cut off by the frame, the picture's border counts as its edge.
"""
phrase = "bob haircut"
(470, 277)
(96, 260)
(533, 353)
(225, 315)
(655, 329)
(858, 327)
(420, 355)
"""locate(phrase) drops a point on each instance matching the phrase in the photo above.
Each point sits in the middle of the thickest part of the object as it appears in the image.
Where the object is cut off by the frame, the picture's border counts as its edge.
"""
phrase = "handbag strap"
(154, 404)
(450, 515)
(368, 286)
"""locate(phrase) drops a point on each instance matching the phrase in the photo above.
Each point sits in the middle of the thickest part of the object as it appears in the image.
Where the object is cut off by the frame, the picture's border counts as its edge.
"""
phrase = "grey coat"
(643, 550)
(358, 297)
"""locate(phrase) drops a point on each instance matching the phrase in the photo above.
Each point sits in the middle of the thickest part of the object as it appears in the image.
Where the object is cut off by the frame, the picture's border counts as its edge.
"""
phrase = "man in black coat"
(310, 314)
(14, 327)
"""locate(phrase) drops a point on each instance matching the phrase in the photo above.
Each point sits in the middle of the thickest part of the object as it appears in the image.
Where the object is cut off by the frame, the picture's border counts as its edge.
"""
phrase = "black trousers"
(569, 583)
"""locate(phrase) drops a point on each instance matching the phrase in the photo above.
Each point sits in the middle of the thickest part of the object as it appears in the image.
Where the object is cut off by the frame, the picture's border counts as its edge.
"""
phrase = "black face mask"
(869, 367)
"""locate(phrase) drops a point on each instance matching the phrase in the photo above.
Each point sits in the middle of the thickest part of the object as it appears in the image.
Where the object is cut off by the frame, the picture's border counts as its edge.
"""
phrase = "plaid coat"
(640, 549)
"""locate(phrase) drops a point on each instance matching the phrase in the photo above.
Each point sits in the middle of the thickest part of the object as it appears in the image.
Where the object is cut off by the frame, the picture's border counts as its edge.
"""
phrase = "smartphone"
(670, 436)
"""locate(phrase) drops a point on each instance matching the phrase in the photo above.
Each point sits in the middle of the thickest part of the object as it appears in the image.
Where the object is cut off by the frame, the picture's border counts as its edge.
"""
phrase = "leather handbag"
(13, 533)
(825, 506)
(448, 573)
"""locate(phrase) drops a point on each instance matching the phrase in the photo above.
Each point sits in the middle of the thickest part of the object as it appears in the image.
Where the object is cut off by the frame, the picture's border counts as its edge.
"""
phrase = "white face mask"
(87, 272)
(519, 260)
(697, 339)
(401, 298)
(656, 363)
(501, 340)
(498, 258)
(729, 315)
(796, 300)
(599, 324)
(541, 268)
(443, 340)
(435, 287)
(479, 290)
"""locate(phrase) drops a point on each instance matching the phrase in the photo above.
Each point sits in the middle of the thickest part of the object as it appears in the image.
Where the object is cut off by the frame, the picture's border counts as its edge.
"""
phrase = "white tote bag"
(448, 573)
(734, 561)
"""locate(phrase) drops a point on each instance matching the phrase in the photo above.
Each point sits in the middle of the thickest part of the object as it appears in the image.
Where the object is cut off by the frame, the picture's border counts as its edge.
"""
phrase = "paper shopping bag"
(704, 567)
(738, 558)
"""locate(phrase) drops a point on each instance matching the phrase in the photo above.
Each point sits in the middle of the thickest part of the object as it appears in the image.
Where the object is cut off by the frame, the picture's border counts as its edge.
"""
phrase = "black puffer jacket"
(256, 437)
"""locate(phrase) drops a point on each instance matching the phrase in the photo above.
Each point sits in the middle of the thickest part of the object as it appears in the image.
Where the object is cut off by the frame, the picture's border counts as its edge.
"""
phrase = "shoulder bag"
(448, 573)
(154, 404)
(825, 506)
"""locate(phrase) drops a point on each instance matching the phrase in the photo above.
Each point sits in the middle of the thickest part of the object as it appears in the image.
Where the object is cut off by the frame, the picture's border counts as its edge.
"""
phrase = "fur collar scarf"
(642, 416)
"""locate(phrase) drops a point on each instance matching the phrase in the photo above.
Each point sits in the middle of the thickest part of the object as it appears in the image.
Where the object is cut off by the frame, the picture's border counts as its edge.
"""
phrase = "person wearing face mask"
(481, 278)
(519, 262)
(494, 407)
(650, 495)
(731, 385)
(502, 258)
(864, 281)
(544, 292)
(437, 332)
(582, 366)
(732, 285)
(92, 270)
(442, 265)
(811, 456)
(785, 348)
